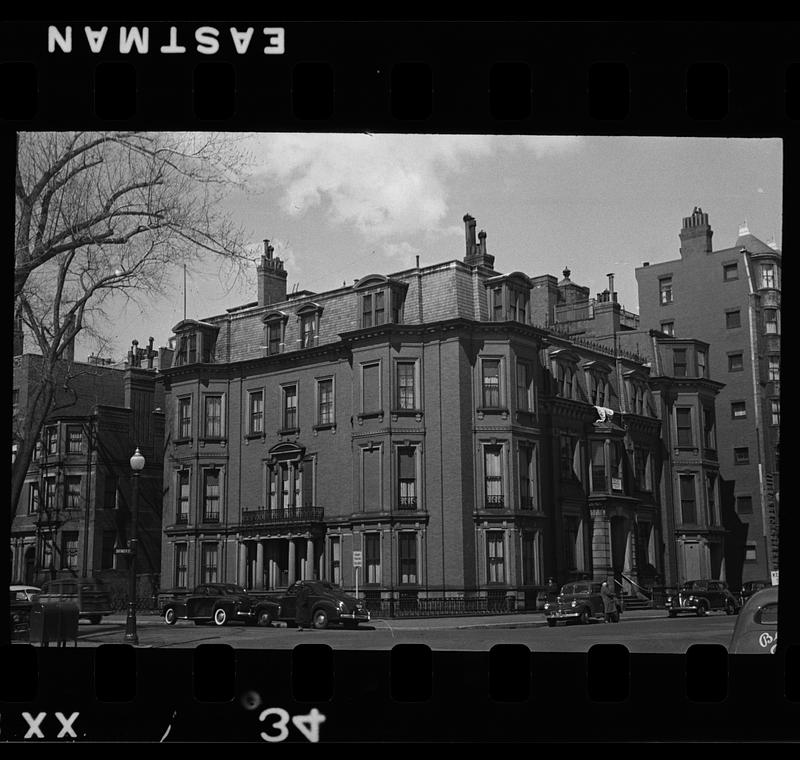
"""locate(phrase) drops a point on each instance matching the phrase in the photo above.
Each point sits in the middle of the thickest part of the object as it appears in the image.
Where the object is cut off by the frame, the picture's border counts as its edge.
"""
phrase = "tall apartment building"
(434, 420)
(74, 509)
(730, 298)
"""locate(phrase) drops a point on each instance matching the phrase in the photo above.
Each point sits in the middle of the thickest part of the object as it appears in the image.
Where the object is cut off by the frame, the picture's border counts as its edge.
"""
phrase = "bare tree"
(99, 214)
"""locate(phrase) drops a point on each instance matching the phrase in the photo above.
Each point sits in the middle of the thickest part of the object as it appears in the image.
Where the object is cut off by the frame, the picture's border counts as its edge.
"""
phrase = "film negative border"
(678, 78)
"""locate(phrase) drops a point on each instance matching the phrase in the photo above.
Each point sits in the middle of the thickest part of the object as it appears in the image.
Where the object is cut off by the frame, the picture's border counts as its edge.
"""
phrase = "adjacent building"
(74, 510)
(448, 423)
(730, 299)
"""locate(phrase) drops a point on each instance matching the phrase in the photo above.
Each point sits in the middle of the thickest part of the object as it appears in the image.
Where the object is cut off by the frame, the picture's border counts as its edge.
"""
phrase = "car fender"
(179, 607)
(330, 607)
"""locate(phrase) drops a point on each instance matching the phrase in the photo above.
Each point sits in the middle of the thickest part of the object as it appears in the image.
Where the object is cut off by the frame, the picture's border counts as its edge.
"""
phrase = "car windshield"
(233, 590)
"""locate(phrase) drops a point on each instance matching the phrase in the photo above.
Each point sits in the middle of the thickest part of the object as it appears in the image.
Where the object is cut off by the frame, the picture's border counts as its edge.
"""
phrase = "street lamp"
(137, 465)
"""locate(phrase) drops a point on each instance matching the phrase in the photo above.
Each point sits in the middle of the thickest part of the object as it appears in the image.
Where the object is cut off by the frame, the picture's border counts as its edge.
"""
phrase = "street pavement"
(514, 620)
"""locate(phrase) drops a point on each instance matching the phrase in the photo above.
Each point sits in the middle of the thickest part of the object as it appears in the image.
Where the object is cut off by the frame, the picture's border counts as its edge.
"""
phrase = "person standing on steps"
(302, 610)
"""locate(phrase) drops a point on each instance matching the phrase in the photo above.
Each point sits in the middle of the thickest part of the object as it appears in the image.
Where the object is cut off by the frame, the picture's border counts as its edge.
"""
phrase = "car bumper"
(562, 615)
(358, 617)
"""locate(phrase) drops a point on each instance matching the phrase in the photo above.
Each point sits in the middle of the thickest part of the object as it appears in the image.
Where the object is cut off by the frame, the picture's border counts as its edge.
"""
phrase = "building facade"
(435, 420)
(74, 509)
(730, 298)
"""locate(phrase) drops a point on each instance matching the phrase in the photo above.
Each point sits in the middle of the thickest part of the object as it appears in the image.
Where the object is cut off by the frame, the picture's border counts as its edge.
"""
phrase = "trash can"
(54, 622)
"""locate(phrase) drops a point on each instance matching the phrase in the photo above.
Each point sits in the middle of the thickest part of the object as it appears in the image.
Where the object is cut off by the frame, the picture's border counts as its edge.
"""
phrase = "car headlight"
(574, 603)
(342, 606)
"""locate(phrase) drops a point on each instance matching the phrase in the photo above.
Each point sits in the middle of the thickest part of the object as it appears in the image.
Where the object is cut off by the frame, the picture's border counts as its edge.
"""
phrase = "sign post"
(356, 566)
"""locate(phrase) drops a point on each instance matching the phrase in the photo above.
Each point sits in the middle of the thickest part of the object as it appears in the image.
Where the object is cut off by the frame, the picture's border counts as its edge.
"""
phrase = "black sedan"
(220, 603)
(328, 604)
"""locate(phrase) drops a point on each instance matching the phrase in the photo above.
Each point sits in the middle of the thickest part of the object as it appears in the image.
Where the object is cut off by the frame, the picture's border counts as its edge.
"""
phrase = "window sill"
(325, 426)
(289, 431)
(254, 436)
(369, 416)
(218, 441)
(182, 441)
(482, 411)
(398, 413)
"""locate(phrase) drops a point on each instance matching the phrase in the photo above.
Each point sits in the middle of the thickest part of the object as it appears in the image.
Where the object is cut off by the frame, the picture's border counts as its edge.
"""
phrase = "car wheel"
(95, 619)
(264, 618)
(170, 618)
(320, 619)
(701, 610)
(583, 618)
(220, 616)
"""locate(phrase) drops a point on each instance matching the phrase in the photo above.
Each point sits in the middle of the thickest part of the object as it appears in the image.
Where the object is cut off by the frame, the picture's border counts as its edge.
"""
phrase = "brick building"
(73, 511)
(730, 298)
(437, 420)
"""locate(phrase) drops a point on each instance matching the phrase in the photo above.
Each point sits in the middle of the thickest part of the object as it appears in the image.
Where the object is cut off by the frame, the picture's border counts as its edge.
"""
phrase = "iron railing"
(287, 515)
(498, 604)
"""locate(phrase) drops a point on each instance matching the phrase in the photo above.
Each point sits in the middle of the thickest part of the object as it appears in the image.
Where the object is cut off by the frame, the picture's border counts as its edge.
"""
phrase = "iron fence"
(420, 608)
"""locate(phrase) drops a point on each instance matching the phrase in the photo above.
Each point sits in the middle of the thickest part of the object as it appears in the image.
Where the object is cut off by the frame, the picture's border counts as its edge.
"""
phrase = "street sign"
(357, 559)
(123, 551)
(774, 577)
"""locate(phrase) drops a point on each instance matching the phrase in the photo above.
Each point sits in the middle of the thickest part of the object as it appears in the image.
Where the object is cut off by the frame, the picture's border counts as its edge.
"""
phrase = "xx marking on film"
(34, 723)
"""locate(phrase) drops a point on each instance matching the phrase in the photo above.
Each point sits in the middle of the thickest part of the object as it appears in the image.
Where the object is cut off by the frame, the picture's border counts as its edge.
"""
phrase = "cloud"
(383, 185)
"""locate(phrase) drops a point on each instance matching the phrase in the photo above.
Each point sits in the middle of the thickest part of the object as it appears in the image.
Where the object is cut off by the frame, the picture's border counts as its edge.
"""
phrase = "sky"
(337, 207)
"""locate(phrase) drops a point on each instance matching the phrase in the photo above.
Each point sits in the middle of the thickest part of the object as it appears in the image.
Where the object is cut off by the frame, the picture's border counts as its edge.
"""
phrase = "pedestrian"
(551, 587)
(609, 603)
(302, 610)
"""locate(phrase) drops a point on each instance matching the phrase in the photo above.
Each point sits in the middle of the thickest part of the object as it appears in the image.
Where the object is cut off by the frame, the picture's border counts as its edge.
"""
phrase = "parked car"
(578, 602)
(702, 596)
(90, 595)
(22, 592)
(749, 588)
(328, 604)
(220, 603)
(19, 609)
(756, 629)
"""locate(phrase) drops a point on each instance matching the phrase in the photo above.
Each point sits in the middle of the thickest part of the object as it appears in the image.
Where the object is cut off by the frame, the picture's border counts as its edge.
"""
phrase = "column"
(601, 545)
(292, 561)
(258, 581)
(309, 564)
(273, 566)
(242, 580)
(628, 563)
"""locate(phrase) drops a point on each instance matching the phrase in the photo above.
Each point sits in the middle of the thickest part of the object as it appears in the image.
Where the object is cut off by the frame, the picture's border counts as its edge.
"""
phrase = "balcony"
(408, 502)
(287, 516)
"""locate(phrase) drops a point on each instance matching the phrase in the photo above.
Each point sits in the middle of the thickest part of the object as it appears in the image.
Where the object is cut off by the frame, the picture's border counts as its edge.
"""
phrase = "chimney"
(696, 233)
(469, 231)
(271, 278)
(476, 252)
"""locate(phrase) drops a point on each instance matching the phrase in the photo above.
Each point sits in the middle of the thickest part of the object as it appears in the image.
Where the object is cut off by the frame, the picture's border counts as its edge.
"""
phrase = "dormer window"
(380, 300)
(639, 396)
(309, 316)
(563, 366)
(196, 342)
(509, 297)
(275, 332)
(597, 383)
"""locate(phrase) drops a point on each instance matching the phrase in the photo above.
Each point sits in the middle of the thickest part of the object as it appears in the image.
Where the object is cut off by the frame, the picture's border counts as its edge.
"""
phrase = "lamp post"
(137, 465)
